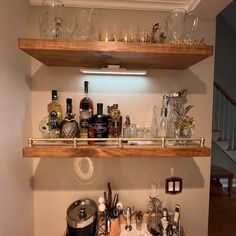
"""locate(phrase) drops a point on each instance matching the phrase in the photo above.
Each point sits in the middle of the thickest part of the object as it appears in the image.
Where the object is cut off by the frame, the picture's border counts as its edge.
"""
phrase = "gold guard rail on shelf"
(31, 141)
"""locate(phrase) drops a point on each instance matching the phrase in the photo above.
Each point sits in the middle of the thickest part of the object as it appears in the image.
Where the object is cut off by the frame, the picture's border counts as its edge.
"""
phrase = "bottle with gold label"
(54, 116)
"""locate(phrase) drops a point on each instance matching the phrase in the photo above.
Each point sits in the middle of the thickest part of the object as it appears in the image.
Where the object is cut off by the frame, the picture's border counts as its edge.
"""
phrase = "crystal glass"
(83, 29)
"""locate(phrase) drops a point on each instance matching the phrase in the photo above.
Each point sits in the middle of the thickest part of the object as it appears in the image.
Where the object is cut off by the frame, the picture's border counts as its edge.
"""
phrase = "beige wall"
(16, 204)
(56, 185)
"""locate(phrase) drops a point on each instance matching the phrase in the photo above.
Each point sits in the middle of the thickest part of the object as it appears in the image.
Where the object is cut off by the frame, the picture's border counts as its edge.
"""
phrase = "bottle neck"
(99, 108)
(69, 108)
(86, 89)
(54, 100)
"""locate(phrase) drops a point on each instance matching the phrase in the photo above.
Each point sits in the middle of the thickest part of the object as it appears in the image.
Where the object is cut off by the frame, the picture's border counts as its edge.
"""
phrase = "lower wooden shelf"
(111, 151)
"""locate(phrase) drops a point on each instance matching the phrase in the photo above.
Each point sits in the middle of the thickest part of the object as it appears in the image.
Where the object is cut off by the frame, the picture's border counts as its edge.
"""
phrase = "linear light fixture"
(112, 70)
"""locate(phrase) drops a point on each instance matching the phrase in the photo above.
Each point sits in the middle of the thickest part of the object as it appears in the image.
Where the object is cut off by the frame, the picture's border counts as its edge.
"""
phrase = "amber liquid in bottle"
(86, 99)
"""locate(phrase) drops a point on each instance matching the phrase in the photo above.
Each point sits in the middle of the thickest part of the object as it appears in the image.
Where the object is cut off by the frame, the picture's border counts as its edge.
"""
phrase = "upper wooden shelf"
(127, 55)
(111, 151)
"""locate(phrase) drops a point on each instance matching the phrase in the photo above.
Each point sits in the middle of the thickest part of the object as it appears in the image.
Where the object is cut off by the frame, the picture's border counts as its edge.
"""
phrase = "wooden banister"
(226, 95)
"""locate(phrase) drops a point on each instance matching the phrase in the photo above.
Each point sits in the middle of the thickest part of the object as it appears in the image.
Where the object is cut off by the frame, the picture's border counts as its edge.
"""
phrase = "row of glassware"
(179, 25)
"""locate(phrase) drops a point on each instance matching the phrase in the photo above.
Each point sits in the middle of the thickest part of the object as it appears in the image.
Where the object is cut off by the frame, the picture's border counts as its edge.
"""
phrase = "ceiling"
(204, 8)
(153, 5)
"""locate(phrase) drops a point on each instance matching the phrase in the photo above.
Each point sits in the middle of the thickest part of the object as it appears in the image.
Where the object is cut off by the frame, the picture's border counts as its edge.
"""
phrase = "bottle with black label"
(100, 123)
(54, 116)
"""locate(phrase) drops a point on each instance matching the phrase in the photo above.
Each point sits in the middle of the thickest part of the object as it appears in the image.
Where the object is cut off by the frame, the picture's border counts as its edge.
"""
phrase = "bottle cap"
(69, 100)
(85, 106)
(86, 86)
(99, 108)
(164, 112)
(115, 106)
(54, 95)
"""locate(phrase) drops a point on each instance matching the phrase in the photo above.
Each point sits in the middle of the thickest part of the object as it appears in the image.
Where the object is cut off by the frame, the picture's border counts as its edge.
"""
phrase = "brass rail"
(75, 142)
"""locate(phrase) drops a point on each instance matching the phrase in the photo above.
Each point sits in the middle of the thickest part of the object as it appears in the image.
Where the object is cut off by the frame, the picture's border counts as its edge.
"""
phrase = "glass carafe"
(181, 24)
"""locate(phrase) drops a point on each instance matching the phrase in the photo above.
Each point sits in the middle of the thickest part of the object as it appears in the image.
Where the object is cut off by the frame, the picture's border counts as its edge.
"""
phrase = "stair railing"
(224, 115)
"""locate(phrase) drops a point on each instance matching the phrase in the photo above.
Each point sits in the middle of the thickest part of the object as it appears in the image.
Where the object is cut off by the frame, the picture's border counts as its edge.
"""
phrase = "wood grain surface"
(109, 152)
(127, 55)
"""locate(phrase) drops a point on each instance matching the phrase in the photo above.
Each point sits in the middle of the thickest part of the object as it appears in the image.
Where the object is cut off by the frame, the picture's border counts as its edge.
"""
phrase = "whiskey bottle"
(85, 119)
(69, 126)
(100, 123)
(86, 99)
(54, 117)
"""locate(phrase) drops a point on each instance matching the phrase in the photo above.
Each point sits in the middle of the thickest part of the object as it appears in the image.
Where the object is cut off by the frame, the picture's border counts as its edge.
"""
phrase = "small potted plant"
(184, 124)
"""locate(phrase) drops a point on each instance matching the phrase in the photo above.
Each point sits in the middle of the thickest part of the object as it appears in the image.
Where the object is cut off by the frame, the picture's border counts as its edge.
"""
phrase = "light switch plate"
(174, 185)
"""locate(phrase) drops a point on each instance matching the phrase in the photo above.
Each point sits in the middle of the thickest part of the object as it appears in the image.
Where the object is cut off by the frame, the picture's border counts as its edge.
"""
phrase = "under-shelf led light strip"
(112, 70)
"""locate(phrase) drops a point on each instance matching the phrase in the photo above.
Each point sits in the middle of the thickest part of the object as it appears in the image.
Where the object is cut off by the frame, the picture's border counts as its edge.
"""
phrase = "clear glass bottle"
(127, 128)
(100, 123)
(86, 99)
(85, 119)
(163, 123)
(69, 126)
(116, 121)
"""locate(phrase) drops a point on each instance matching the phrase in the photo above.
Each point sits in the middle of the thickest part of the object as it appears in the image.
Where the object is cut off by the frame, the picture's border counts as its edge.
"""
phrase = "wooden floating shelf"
(100, 54)
(111, 151)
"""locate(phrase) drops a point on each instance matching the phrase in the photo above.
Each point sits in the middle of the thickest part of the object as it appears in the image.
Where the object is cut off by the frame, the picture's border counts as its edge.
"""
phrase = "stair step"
(216, 134)
(223, 144)
(232, 154)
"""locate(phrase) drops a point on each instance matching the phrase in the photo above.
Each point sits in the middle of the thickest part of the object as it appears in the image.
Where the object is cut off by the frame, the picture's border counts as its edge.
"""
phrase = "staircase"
(224, 121)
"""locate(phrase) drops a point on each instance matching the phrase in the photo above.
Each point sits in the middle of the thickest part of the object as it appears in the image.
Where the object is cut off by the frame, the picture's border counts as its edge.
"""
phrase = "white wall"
(16, 204)
(56, 185)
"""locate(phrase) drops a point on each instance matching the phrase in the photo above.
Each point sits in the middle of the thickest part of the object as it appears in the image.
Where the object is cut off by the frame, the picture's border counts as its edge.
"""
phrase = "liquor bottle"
(116, 121)
(110, 130)
(100, 123)
(55, 107)
(86, 99)
(163, 123)
(69, 126)
(54, 118)
(85, 119)
(127, 128)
